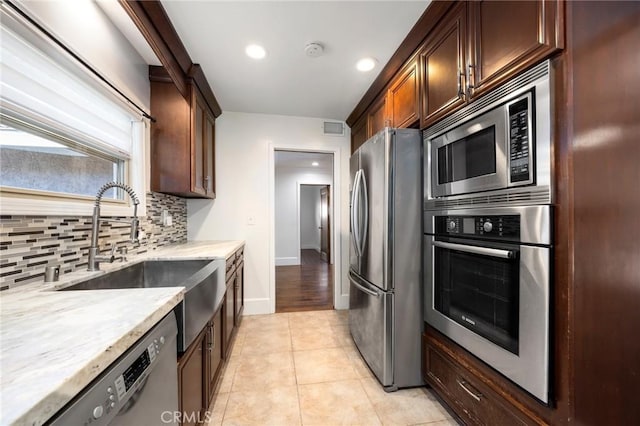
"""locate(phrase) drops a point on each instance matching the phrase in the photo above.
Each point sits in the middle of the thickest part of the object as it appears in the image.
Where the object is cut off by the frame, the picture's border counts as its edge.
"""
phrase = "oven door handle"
(485, 251)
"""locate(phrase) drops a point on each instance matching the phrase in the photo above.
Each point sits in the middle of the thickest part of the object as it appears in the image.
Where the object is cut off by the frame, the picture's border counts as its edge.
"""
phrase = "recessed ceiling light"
(315, 164)
(366, 64)
(255, 51)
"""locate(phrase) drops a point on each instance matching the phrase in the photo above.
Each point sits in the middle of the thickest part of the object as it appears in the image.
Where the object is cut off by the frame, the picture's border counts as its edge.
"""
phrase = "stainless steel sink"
(203, 280)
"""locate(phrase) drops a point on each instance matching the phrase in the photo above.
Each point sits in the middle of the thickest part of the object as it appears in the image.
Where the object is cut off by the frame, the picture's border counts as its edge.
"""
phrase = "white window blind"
(41, 84)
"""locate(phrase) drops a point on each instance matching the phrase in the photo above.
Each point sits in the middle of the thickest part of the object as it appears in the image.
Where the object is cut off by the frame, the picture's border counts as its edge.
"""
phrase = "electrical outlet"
(165, 218)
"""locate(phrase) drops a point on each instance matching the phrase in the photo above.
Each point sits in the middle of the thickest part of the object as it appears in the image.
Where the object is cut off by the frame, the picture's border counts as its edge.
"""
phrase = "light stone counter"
(53, 344)
(198, 250)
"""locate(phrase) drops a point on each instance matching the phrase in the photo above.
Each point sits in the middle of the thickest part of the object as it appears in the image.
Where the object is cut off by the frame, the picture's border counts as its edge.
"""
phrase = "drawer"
(230, 264)
(467, 395)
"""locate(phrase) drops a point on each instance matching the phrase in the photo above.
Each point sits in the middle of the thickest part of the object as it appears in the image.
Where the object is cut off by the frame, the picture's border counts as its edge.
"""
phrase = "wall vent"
(333, 128)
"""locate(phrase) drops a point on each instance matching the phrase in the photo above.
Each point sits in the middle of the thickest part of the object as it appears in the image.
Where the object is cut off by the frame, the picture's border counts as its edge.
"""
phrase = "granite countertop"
(53, 344)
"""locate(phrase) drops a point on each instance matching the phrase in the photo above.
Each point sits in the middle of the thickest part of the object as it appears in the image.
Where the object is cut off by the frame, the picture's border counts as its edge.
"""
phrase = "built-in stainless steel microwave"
(501, 142)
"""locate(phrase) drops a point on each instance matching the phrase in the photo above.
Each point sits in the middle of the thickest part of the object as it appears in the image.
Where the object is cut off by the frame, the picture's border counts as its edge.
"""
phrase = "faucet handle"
(123, 253)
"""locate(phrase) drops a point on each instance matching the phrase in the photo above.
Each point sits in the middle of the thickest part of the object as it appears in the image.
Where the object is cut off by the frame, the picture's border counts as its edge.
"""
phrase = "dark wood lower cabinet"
(238, 291)
(467, 391)
(214, 352)
(200, 366)
(228, 317)
(191, 369)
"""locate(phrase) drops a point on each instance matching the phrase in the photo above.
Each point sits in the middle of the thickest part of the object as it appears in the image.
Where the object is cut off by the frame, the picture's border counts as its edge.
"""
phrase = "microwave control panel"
(495, 227)
(519, 141)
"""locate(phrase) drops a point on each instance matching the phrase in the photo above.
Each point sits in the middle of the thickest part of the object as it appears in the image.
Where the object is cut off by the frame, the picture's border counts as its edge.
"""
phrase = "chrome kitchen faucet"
(94, 250)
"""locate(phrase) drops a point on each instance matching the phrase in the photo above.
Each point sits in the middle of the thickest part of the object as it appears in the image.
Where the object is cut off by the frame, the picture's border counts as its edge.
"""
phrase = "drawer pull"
(475, 395)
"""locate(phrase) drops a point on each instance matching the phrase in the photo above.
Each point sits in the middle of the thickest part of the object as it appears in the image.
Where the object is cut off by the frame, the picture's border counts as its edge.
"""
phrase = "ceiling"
(287, 82)
(303, 160)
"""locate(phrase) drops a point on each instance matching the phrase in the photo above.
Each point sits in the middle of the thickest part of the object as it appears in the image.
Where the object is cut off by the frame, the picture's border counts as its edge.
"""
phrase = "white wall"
(287, 225)
(309, 217)
(245, 145)
(83, 27)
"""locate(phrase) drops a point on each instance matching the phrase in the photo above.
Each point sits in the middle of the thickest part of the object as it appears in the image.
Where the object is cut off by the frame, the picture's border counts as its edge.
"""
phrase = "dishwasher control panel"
(115, 390)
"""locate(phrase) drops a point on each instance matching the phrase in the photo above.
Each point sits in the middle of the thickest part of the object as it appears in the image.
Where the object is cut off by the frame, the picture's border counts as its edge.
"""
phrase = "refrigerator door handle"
(355, 280)
(363, 187)
(355, 227)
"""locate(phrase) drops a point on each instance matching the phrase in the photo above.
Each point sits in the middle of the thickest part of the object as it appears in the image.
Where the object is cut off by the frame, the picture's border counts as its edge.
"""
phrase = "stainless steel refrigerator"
(385, 297)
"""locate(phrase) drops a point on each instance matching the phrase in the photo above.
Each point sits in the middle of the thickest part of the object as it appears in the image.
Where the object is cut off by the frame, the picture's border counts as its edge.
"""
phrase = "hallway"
(305, 287)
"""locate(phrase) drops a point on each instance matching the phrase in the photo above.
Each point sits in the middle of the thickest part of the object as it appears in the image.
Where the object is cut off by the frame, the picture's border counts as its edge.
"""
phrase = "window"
(32, 162)
(63, 133)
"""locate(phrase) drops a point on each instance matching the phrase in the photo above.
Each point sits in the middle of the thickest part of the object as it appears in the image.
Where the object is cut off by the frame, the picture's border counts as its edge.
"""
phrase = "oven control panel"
(505, 227)
(519, 137)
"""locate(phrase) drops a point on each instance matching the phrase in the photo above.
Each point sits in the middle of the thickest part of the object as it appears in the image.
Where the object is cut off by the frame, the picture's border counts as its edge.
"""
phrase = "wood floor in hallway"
(305, 287)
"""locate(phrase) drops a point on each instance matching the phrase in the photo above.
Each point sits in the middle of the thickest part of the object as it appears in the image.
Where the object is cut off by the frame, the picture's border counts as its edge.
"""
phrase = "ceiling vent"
(333, 128)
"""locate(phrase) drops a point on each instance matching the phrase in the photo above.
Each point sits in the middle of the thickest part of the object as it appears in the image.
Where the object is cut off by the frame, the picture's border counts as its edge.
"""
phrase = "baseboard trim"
(341, 302)
(257, 306)
(287, 261)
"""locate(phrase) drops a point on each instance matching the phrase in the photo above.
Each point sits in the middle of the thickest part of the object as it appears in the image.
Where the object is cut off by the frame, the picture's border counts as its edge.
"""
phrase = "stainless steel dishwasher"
(140, 388)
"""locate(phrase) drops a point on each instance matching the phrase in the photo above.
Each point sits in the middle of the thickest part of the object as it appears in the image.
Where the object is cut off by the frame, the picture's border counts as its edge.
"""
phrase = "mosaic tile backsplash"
(30, 243)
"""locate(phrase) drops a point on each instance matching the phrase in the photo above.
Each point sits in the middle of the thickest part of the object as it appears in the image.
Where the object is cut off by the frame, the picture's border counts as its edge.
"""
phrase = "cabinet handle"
(475, 395)
(460, 91)
(212, 341)
(469, 85)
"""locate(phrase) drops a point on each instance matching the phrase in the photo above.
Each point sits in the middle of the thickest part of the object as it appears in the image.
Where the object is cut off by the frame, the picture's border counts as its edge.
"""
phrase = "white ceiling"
(303, 160)
(287, 82)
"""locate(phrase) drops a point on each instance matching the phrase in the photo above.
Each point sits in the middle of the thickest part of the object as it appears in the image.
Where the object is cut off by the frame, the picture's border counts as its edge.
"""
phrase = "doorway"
(303, 212)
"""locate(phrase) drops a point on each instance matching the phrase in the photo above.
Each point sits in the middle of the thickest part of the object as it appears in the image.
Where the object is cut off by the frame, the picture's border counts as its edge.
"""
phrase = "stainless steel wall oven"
(487, 249)
(489, 287)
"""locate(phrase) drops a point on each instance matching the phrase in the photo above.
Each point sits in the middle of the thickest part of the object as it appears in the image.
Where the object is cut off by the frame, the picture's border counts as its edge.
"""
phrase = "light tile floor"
(302, 368)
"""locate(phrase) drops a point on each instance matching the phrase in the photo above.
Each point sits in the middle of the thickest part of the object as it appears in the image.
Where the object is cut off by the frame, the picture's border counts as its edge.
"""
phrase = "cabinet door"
(239, 292)
(228, 316)
(507, 37)
(403, 97)
(190, 381)
(214, 352)
(359, 133)
(377, 117)
(209, 156)
(197, 150)
(442, 63)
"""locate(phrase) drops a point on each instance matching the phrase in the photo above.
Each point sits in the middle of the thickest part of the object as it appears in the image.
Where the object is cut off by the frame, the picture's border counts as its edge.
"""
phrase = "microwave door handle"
(365, 204)
(485, 251)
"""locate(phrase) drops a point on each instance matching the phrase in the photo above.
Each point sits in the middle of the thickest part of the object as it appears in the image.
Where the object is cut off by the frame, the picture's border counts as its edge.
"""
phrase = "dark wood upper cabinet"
(507, 37)
(473, 48)
(182, 140)
(359, 133)
(404, 106)
(377, 118)
(442, 64)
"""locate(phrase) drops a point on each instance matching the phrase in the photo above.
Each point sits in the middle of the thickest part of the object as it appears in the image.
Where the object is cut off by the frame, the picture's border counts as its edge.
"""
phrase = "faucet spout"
(94, 250)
